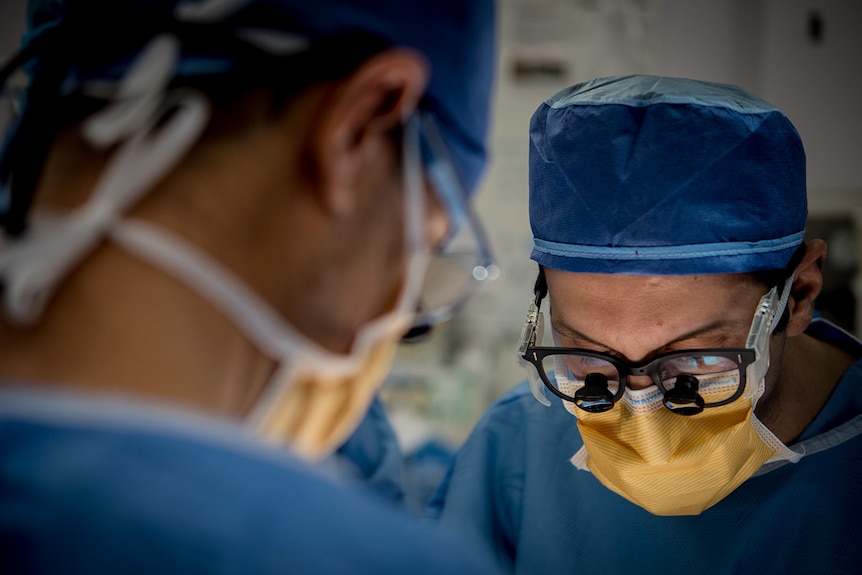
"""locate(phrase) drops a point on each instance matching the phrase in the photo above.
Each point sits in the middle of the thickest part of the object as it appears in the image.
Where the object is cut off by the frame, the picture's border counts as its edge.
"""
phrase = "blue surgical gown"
(115, 486)
(372, 458)
(512, 486)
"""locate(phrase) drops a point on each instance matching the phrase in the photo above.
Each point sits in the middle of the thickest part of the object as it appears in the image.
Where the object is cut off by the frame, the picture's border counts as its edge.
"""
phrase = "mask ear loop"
(766, 318)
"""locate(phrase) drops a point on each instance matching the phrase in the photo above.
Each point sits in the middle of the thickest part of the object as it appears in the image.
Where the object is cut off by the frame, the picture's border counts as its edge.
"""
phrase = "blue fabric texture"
(649, 175)
(457, 38)
(94, 486)
(512, 486)
(372, 457)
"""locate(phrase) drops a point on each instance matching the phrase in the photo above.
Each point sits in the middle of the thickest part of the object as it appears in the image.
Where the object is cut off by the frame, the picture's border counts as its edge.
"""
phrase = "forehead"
(602, 305)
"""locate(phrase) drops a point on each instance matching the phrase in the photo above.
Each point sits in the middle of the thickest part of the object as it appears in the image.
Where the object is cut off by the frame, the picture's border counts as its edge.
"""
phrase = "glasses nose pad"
(684, 398)
(595, 396)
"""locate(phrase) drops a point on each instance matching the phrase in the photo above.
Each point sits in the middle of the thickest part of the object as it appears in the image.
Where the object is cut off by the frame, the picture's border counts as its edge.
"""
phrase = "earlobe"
(807, 283)
(357, 118)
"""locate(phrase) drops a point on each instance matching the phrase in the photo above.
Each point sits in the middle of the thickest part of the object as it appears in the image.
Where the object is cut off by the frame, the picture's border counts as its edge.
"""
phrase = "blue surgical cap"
(456, 37)
(647, 175)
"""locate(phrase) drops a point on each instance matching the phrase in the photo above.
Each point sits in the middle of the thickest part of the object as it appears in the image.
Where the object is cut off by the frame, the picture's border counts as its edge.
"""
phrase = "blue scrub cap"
(646, 175)
(456, 37)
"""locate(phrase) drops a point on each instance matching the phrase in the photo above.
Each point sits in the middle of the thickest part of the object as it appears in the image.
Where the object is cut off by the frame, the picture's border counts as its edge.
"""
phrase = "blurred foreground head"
(271, 156)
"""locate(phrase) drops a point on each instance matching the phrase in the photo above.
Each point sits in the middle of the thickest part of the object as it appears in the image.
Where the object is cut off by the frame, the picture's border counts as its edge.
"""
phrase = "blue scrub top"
(371, 457)
(115, 486)
(512, 486)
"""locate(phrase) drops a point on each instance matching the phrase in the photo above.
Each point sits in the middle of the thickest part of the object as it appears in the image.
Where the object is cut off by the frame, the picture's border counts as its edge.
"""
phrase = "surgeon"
(685, 413)
(220, 217)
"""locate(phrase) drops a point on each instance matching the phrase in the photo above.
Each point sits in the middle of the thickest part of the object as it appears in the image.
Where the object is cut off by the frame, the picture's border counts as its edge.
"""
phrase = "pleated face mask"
(682, 444)
(665, 463)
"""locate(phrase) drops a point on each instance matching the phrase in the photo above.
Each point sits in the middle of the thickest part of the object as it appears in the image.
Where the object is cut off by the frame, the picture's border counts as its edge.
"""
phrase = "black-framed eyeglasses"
(689, 380)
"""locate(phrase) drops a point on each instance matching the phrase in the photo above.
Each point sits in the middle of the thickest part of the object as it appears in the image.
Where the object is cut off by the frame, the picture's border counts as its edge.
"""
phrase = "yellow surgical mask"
(318, 413)
(664, 462)
(672, 464)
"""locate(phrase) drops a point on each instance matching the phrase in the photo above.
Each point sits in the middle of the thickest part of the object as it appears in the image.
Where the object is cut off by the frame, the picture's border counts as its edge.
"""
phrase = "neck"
(808, 371)
(244, 194)
(181, 349)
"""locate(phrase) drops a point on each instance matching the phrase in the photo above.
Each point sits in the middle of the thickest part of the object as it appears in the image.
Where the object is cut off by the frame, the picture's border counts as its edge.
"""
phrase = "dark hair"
(75, 41)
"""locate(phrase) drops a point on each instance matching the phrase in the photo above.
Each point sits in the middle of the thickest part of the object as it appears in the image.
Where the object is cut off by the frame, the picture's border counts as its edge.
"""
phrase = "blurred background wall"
(801, 55)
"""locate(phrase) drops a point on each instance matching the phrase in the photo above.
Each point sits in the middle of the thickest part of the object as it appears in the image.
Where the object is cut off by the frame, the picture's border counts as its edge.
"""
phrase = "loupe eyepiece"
(684, 399)
(595, 396)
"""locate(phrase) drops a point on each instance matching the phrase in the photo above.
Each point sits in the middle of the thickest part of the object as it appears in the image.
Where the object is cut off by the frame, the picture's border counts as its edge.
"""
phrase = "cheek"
(389, 253)
(776, 359)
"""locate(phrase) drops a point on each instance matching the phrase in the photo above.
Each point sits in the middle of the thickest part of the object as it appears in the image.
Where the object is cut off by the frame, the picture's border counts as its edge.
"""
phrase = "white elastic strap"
(33, 266)
(580, 458)
(782, 452)
(207, 10)
(138, 96)
(244, 307)
(269, 40)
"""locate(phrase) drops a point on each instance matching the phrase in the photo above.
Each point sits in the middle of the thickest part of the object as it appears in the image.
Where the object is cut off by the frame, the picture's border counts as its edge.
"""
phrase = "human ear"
(807, 283)
(356, 119)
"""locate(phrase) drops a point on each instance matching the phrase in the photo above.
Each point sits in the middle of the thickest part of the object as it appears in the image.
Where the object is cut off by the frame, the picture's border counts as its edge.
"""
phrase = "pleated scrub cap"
(457, 38)
(648, 175)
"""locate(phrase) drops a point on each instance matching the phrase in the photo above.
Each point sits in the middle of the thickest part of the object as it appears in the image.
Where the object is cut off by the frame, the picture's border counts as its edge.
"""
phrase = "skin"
(639, 317)
(309, 214)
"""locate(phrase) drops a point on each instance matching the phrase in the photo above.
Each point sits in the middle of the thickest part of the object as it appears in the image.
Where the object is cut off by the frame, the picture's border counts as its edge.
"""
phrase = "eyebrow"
(568, 331)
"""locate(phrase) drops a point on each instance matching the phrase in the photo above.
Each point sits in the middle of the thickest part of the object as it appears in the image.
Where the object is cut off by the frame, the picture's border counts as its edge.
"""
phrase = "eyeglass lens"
(718, 376)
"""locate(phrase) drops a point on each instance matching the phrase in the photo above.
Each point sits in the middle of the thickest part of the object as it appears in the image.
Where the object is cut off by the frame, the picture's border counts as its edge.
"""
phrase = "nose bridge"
(639, 381)
(640, 377)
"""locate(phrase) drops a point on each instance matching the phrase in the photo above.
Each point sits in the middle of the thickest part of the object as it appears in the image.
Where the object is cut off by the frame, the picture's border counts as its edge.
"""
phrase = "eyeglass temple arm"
(533, 322)
(529, 335)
